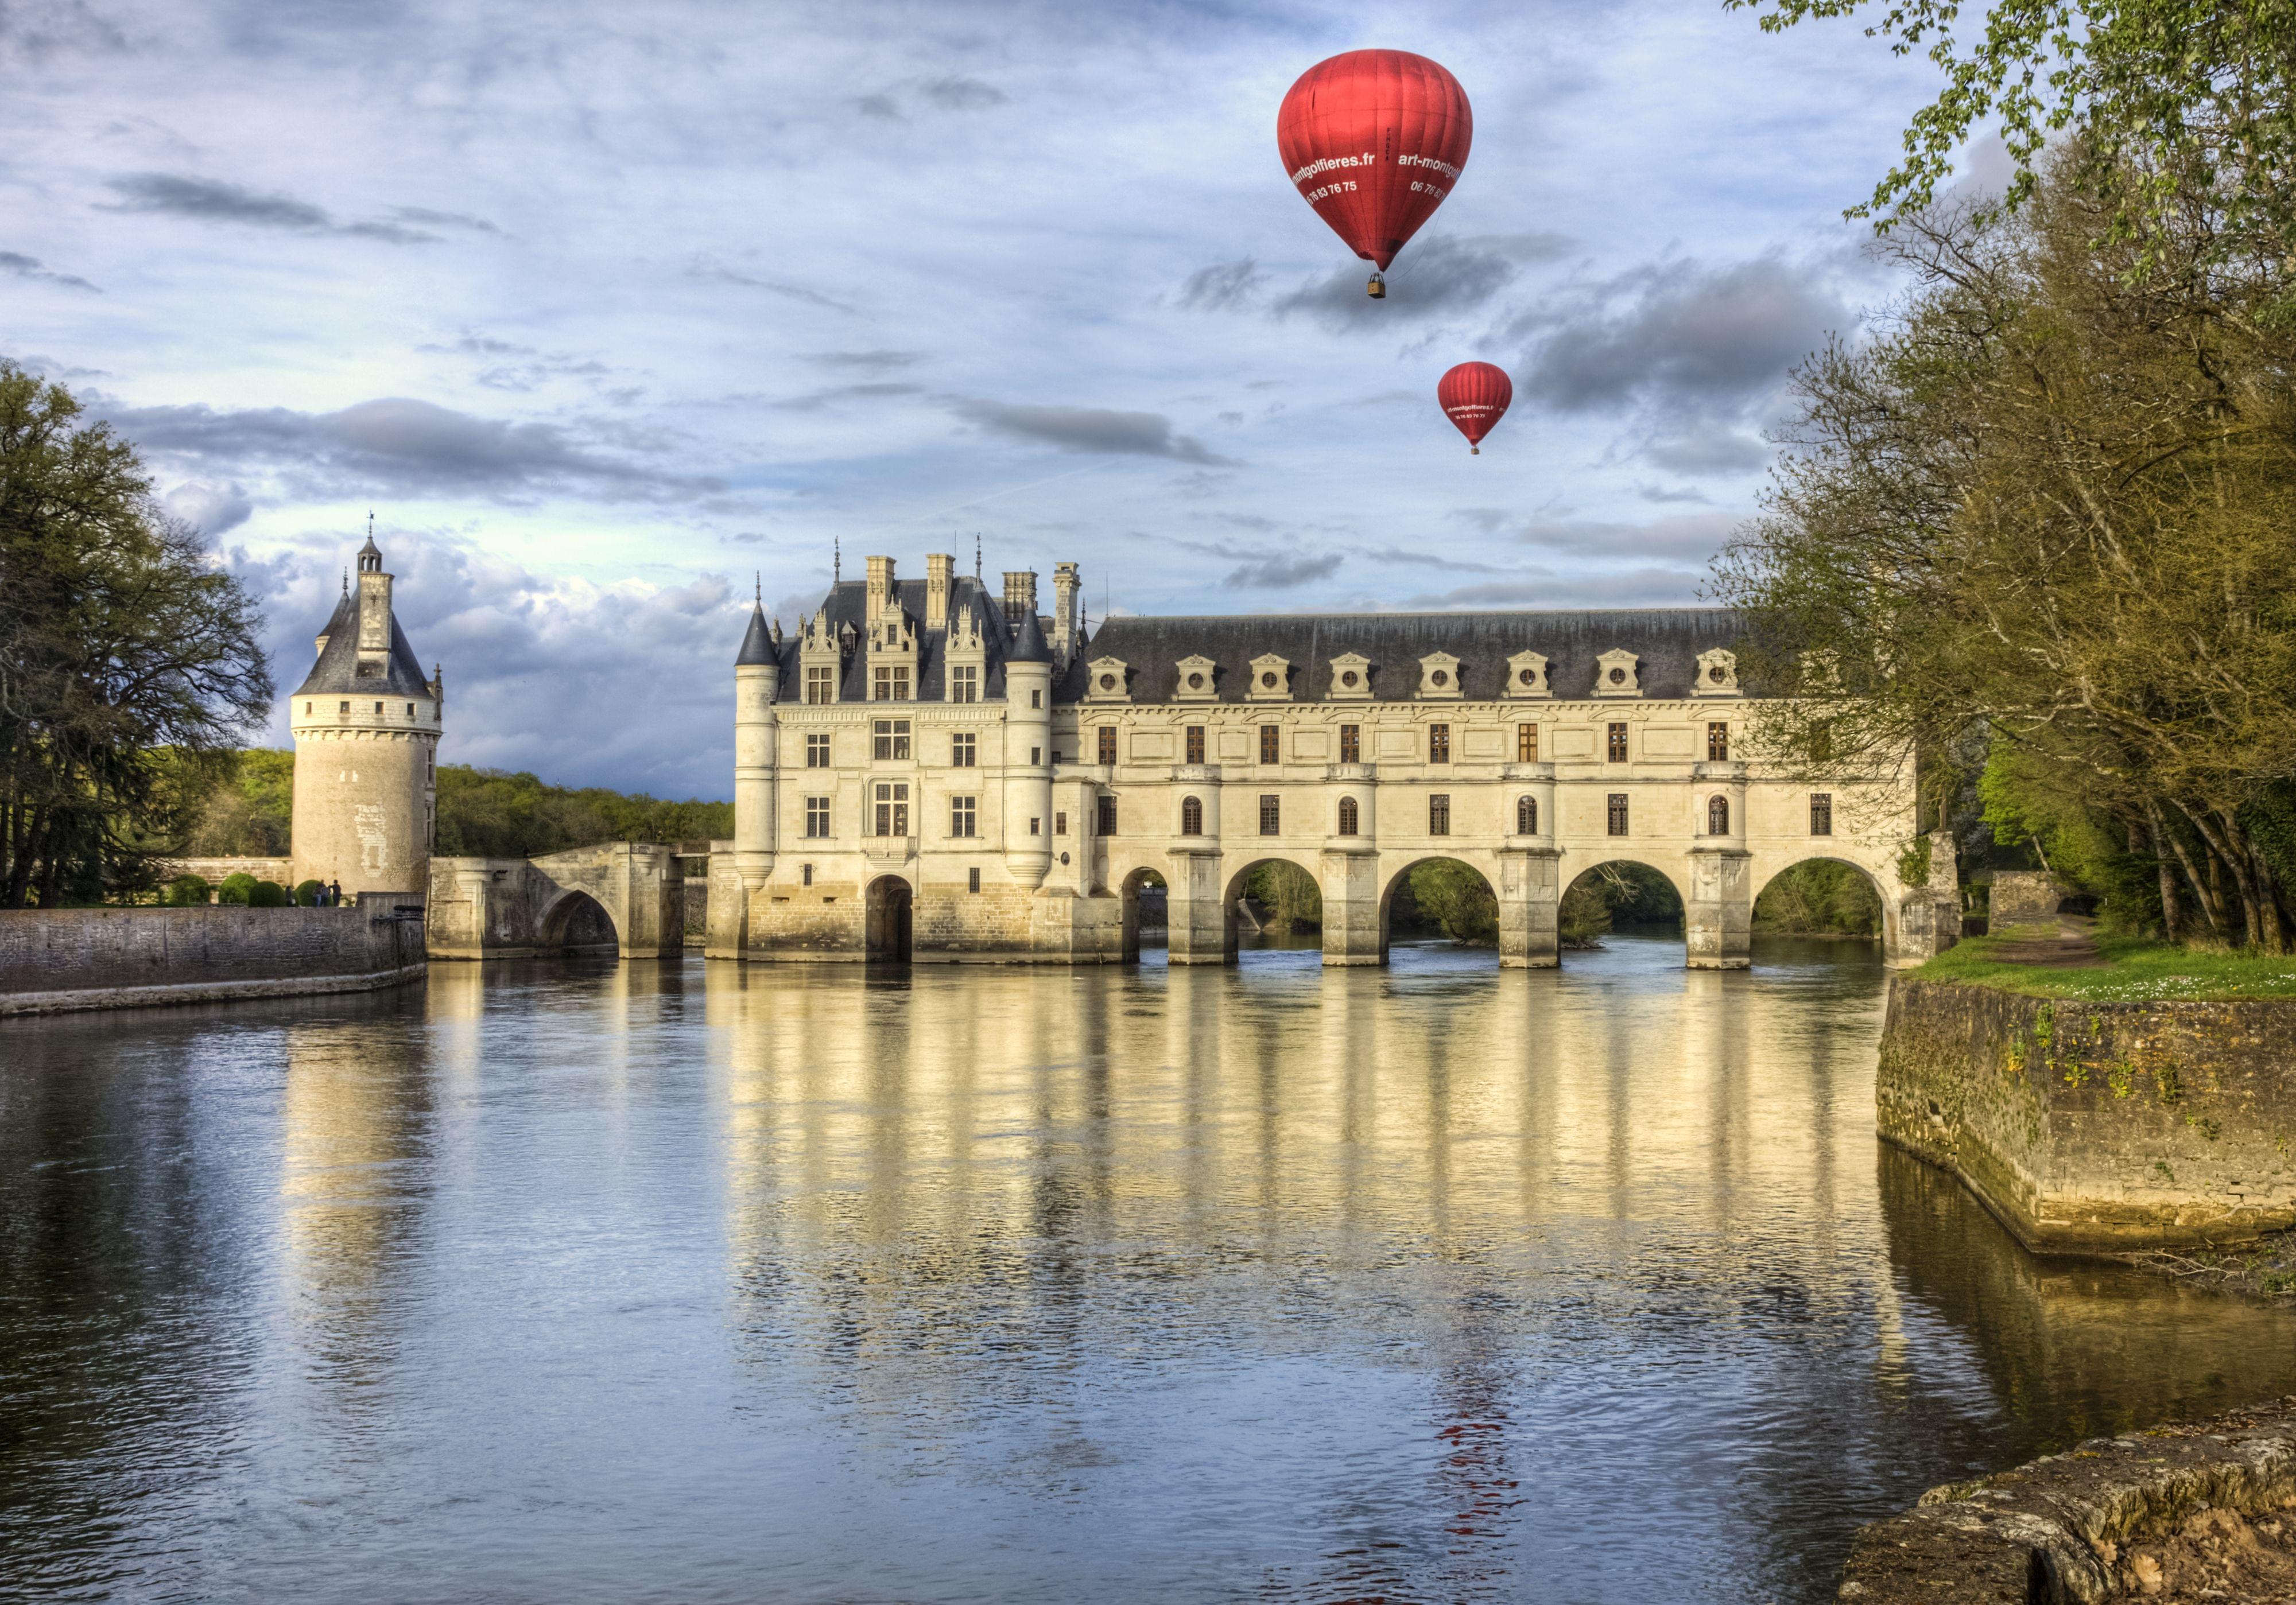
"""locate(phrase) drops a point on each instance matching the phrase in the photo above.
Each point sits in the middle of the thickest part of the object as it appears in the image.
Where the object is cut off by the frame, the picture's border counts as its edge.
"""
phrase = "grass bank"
(2111, 970)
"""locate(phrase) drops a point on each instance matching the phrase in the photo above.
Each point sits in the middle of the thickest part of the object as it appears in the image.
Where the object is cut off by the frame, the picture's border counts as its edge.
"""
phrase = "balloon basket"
(1376, 288)
(1474, 451)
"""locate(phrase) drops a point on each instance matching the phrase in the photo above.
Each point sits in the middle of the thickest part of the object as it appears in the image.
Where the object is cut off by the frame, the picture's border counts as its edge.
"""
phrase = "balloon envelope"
(1475, 397)
(1375, 139)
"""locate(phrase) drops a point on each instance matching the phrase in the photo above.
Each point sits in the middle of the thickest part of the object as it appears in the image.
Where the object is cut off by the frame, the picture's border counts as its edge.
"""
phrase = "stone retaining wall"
(2098, 1127)
(54, 961)
(2092, 1524)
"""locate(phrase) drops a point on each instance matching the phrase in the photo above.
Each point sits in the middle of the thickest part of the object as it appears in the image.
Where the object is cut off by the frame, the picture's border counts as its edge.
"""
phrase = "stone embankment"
(2098, 1127)
(2206, 1511)
(56, 960)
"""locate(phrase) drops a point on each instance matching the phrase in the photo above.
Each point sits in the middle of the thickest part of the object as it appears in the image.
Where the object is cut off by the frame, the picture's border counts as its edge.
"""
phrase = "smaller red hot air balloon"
(1474, 396)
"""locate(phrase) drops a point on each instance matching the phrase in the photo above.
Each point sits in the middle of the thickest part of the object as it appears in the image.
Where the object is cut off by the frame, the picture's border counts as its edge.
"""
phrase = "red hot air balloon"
(1474, 396)
(1375, 139)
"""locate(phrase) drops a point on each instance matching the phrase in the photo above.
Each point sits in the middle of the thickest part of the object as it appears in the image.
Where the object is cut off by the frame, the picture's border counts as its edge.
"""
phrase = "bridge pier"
(1717, 919)
(1198, 918)
(1530, 904)
(1353, 932)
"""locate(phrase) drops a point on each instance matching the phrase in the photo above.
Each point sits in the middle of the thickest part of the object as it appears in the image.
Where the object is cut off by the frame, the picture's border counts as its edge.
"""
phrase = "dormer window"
(1618, 673)
(1271, 679)
(1108, 680)
(1526, 675)
(1350, 678)
(1197, 680)
(1718, 673)
(1438, 677)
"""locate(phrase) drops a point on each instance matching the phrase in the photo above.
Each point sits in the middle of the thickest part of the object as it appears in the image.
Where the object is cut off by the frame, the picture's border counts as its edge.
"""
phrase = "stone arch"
(1232, 899)
(1131, 889)
(1387, 892)
(1884, 893)
(575, 922)
(889, 917)
(1570, 877)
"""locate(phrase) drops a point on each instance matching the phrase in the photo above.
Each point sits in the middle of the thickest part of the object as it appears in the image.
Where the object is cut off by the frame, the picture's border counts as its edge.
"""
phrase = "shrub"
(268, 894)
(308, 894)
(186, 892)
(236, 890)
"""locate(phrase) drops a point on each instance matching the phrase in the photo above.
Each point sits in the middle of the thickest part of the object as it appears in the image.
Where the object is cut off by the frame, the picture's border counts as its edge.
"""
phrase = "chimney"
(880, 587)
(1019, 595)
(1065, 609)
(374, 614)
(938, 566)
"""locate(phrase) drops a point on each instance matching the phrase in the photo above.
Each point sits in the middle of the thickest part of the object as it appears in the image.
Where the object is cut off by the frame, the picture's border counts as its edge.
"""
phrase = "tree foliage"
(2181, 106)
(1442, 896)
(2051, 507)
(128, 662)
(1819, 897)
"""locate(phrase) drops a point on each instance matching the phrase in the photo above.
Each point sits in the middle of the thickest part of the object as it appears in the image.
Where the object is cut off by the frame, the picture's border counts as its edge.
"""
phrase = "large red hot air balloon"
(1475, 397)
(1375, 139)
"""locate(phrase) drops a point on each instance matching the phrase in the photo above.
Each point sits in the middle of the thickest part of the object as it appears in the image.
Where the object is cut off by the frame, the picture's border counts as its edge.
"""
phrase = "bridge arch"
(1570, 930)
(888, 906)
(1140, 882)
(575, 922)
(1232, 900)
(1484, 872)
(1873, 880)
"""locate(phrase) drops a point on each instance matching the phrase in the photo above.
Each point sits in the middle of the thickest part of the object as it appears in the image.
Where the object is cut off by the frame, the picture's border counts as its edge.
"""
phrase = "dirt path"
(2073, 946)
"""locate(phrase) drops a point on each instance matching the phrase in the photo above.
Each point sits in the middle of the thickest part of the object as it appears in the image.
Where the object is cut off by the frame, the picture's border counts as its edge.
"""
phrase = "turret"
(1027, 740)
(757, 683)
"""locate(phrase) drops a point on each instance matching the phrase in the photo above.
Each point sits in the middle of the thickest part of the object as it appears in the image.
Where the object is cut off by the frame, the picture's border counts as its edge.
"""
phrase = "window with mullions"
(1617, 813)
(1104, 821)
(1717, 816)
(892, 807)
(1526, 816)
(1821, 812)
(891, 683)
(1195, 736)
(817, 818)
(1271, 743)
(1351, 743)
(962, 817)
(964, 683)
(1438, 814)
(889, 740)
(1717, 742)
(1107, 743)
(1191, 816)
(817, 752)
(1350, 817)
(1619, 741)
(1271, 815)
(964, 750)
(1439, 743)
(1526, 743)
(820, 684)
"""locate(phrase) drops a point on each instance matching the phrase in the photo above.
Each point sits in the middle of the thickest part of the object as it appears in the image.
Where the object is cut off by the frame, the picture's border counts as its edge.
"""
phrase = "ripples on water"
(692, 1283)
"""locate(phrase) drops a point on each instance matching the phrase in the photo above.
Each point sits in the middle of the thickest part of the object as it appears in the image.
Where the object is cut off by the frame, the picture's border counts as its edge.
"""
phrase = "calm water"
(682, 1283)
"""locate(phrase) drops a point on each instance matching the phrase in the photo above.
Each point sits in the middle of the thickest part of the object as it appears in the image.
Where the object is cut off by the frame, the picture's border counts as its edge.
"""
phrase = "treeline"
(482, 813)
(128, 662)
(2041, 528)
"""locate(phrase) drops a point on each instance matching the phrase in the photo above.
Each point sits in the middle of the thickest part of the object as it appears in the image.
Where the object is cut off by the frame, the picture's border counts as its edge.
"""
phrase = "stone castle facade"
(367, 724)
(930, 770)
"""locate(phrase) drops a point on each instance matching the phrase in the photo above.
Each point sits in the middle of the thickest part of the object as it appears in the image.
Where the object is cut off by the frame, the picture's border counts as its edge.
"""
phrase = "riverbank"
(2177, 1513)
(2100, 1097)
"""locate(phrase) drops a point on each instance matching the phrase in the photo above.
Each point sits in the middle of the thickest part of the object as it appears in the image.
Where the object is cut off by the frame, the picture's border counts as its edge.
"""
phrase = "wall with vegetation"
(2098, 1126)
(61, 959)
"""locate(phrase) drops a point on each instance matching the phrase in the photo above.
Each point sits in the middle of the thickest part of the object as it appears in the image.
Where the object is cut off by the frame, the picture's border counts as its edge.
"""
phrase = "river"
(570, 1282)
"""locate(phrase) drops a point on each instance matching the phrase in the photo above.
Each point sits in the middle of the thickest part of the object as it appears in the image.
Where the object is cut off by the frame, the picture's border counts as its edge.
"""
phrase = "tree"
(2052, 502)
(2178, 102)
(128, 662)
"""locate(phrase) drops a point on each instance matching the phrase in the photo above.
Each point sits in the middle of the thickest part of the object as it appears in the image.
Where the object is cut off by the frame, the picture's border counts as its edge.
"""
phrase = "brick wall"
(53, 958)
(2098, 1127)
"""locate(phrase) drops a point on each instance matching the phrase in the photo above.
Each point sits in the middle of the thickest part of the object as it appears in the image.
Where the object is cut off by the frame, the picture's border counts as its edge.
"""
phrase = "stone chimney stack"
(1065, 609)
(938, 567)
(1020, 595)
(880, 587)
(373, 613)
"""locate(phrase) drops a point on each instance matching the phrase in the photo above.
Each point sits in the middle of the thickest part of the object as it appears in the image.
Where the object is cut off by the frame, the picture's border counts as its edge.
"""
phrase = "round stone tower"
(366, 744)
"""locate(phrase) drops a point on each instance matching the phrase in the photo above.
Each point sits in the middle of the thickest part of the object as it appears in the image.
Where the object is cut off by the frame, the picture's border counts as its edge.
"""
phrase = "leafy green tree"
(1442, 896)
(237, 890)
(1294, 901)
(250, 811)
(1819, 897)
(128, 662)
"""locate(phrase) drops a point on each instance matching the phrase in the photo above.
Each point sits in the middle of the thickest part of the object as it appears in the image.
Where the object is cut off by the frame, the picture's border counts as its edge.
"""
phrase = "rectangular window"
(1821, 812)
(1351, 743)
(1617, 813)
(1037, 698)
(1059, 824)
(891, 683)
(964, 686)
(345, 707)
(817, 752)
(892, 804)
(964, 751)
(1105, 823)
(889, 741)
(1618, 742)
(1439, 743)
(961, 816)
(1526, 743)
(1036, 758)
(972, 880)
(1107, 743)
(1271, 815)
(378, 707)
(1717, 742)
(1271, 743)
(1036, 826)
(806, 877)
(1195, 744)
(820, 684)
(817, 817)
(1439, 814)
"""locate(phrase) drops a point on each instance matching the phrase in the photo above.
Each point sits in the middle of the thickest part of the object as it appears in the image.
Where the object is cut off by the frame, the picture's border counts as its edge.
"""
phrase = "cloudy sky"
(603, 309)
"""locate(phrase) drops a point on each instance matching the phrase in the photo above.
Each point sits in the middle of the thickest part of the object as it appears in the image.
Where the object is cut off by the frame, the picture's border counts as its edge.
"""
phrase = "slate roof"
(848, 602)
(1665, 639)
(336, 672)
(758, 645)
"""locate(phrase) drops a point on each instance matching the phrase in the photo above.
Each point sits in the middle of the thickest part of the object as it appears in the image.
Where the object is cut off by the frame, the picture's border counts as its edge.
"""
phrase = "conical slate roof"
(1029, 645)
(758, 645)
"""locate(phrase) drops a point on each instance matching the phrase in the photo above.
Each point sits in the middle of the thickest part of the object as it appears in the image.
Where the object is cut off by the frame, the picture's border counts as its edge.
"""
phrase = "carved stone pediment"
(1438, 677)
(1718, 673)
(1198, 680)
(1526, 675)
(1271, 679)
(1618, 673)
(1350, 678)
(1107, 680)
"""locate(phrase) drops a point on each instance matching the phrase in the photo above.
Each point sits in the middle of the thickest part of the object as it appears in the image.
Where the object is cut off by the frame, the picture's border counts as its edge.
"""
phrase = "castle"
(929, 770)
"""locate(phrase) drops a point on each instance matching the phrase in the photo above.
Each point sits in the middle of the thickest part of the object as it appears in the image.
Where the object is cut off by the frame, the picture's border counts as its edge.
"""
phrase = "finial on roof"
(761, 587)
(976, 556)
(347, 579)
(836, 561)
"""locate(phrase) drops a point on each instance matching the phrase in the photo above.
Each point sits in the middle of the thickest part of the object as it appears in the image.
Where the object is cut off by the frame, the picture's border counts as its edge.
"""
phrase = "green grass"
(2133, 971)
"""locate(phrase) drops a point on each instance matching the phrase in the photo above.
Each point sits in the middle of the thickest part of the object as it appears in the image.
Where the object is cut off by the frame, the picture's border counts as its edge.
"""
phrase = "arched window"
(1350, 817)
(1191, 816)
(1717, 816)
(1526, 816)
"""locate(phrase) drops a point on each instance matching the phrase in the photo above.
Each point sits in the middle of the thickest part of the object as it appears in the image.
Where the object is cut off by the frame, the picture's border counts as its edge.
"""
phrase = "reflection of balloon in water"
(1375, 139)
(1474, 396)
